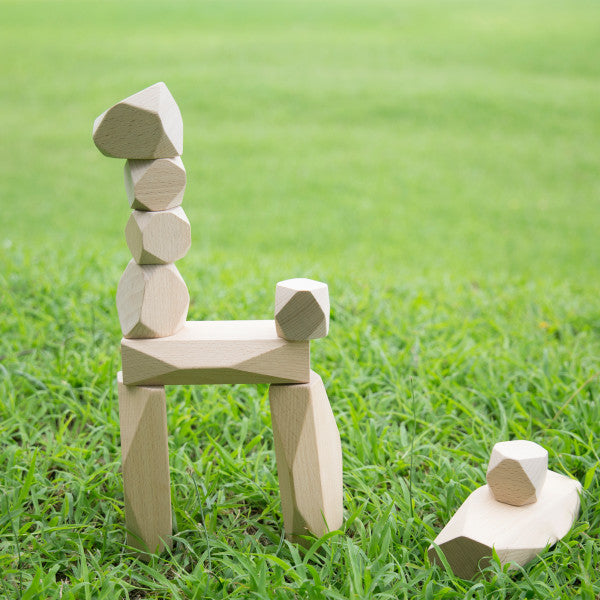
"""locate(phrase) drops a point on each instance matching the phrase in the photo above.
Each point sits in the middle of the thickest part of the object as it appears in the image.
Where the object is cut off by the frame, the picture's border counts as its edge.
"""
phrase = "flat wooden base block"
(216, 352)
(309, 458)
(145, 455)
(517, 533)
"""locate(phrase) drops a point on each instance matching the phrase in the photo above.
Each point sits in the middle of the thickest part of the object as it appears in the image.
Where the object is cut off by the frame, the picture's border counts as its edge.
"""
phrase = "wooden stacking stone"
(155, 184)
(152, 301)
(145, 125)
(156, 238)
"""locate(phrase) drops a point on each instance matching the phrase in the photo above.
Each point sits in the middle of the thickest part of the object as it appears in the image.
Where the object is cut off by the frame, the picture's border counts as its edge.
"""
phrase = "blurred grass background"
(436, 162)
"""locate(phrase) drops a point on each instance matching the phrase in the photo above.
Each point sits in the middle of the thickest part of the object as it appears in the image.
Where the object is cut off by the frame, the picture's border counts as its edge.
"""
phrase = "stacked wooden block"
(159, 347)
(147, 130)
(523, 508)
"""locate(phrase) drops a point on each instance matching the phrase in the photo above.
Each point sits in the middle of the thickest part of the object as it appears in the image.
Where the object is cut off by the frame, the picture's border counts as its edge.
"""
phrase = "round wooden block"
(156, 238)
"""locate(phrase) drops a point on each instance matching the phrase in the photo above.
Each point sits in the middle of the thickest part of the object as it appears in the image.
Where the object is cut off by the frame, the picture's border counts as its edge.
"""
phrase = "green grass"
(436, 162)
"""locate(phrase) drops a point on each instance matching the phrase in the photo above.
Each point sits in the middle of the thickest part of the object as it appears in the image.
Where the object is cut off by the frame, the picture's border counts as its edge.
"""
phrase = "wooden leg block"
(309, 458)
(145, 455)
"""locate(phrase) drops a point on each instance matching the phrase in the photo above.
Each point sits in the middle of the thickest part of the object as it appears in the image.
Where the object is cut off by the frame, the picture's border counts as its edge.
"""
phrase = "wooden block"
(309, 458)
(158, 237)
(145, 455)
(517, 533)
(302, 309)
(517, 471)
(155, 184)
(152, 300)
(145, 125)
(216, 352)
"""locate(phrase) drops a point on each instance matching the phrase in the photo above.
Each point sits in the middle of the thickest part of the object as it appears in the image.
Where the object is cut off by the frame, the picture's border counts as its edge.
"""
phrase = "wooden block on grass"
(216, 352)
(158, 238)
(145, 456)
(517, 533)
(147, 124)
(152, 300)
(309, 458)
(155, 184)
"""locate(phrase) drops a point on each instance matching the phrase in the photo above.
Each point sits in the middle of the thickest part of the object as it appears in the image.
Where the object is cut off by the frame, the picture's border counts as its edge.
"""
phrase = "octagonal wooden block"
(301, 309)
(517, 471)
(156, 184)
(156, 238)
(152, 301)
(147, 124)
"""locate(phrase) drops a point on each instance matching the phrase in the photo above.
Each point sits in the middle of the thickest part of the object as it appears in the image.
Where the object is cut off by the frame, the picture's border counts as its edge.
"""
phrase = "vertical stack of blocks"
(160, 347)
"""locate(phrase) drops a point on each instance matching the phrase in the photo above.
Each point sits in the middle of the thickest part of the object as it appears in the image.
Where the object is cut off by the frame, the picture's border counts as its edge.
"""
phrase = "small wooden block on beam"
(215, 352)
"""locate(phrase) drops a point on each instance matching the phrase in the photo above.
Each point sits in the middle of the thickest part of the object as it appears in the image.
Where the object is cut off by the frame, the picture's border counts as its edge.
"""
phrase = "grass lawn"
(435, 161)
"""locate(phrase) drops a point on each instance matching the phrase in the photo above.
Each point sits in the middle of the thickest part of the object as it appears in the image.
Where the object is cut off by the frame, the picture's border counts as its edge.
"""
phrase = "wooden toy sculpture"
(161, 348)
(523, 508)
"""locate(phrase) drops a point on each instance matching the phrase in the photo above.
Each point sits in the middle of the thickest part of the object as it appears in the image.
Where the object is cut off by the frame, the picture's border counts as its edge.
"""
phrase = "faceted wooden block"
(517, 471)
(152, 301)
(302, 309)
(145, 455)
(156, 238)
(309, 458)
(155, 184)
(145, 125)
(517, 533)
(216, 352)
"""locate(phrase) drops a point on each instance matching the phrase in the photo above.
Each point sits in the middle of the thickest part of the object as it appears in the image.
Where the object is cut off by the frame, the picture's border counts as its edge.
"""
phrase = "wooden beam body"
(145, 456)
(213, 352)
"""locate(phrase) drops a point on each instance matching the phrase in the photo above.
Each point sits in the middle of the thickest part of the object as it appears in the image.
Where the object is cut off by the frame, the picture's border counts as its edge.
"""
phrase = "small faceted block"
(156, 184)
(309, 458)
(152, 301)
(517, 471)
(145, 125)
(301, 309)
(158, 238)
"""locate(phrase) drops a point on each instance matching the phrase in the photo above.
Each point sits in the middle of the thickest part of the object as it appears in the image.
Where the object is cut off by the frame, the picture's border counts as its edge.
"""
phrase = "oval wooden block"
(156, 238)
(147, 124)
(152, 301)
(156, 184)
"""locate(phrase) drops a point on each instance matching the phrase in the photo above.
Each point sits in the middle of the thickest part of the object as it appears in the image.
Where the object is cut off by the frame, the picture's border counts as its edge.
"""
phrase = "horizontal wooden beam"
(216, 352)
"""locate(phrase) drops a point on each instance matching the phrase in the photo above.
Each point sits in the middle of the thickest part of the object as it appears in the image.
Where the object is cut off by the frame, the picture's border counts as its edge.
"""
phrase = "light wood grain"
(152, 300)
(156, 238)
(147, 124)
(145, 456)
(517, 471)
(309, 458)
(517, 533)
(302, 309)
(157, 184)
(216, 352)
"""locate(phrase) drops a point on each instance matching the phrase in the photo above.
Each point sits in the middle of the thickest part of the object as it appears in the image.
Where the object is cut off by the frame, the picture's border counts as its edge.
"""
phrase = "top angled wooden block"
(145, 125)
(301, 309)
(517, 472)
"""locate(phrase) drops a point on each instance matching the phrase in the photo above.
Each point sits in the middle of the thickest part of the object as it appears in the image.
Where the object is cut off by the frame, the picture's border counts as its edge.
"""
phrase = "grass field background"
(436, 162)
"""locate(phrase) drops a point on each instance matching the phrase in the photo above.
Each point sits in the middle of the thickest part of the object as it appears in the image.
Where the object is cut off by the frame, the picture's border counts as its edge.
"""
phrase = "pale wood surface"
(147, 124)
(152, 300)
(216, 352)
(156, 184)
(145, 456)
(302, 309)
(309, 458)
(517, 471)
(518, 533)
(156, 238)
